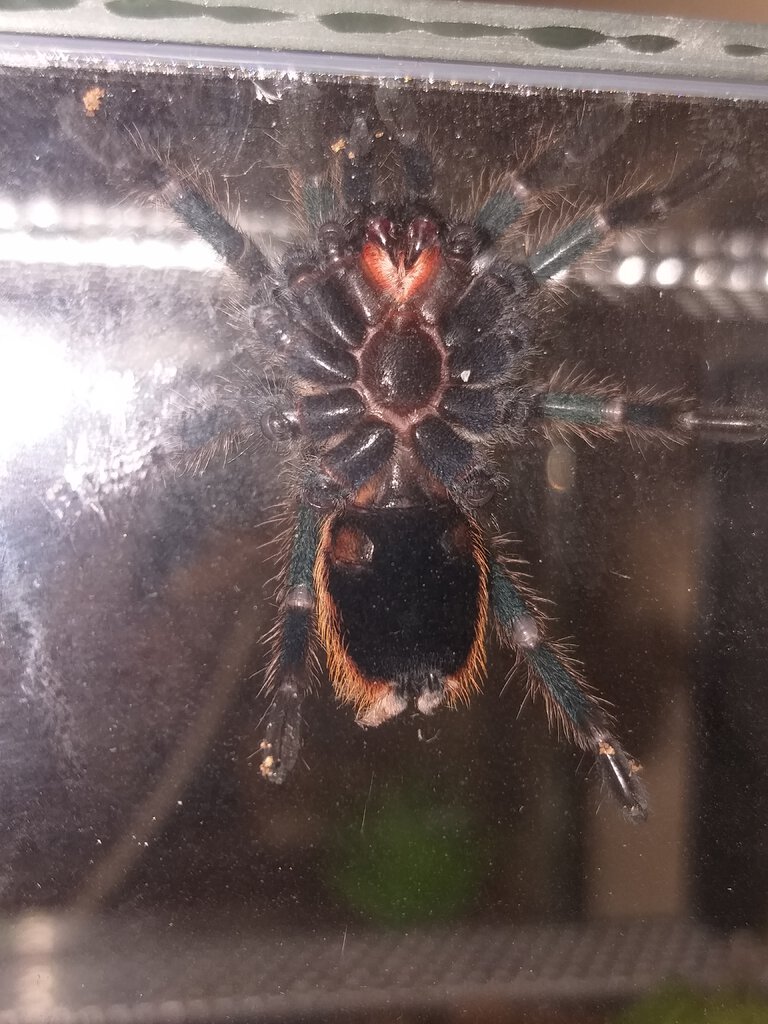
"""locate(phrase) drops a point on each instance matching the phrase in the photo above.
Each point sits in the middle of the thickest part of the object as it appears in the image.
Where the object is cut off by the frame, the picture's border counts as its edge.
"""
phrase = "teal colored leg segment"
(498, 213)
(673, 417)
(319, 203)
(290, 675)
(572, 408)
(565, 248)
(518, 623)
(565, 692)
(643, 207)
(612, 412)
(303, 548)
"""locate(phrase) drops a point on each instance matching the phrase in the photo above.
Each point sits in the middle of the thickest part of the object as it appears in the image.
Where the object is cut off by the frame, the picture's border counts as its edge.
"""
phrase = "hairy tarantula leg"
(642, 208)
(581, 142)
(123, 160)
(319, 202)
(303, 119)
(609, 412)
(726, 424)
(289, 674)
(672, 418)
(400, 114)
(456, 462)
(357, 165)
(584, 137)
(568, 699)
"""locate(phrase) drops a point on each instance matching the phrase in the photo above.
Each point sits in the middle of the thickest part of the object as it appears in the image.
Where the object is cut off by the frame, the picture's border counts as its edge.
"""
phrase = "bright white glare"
(90, 215)
(707, 275)
(36, 989)
(8, 214)
(80, 456)
(35, 939)
(42, 213)
(631, 271)
(37, 386)
(108, 251)
(40, 387)
(35, 934)
(669, 272)
(741, 245)
(740, 279)
(110, 393)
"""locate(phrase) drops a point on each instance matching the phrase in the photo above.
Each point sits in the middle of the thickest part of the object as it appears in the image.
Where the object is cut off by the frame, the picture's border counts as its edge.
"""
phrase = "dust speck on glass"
(335, 402)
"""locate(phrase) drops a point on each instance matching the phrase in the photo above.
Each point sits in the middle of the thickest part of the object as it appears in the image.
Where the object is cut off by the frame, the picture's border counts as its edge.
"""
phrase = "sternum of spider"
(382, 401)
(403, 371)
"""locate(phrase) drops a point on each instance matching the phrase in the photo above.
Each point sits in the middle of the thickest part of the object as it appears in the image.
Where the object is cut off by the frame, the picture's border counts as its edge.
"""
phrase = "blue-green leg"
(591, 413)
(577, 144)
(568, 699)
(116, 151)
(289, 675)
(609, 412)
(644, 207)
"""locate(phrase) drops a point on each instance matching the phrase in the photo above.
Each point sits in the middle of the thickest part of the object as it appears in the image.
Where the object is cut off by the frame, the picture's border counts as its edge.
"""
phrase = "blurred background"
(742, 10)
(460, 867)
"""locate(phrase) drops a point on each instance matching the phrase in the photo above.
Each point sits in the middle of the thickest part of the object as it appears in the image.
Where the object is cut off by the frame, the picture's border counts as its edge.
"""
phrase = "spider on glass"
(401, 343)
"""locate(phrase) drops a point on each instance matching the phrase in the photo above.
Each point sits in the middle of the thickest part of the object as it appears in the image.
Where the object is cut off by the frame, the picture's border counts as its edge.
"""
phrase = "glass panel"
(458, 864)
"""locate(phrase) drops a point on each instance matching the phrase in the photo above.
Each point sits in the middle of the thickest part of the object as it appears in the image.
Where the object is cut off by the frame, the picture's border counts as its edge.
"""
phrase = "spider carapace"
(400, 343)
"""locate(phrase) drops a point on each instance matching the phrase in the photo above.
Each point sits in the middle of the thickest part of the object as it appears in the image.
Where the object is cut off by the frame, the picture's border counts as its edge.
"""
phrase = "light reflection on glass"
(36, 982)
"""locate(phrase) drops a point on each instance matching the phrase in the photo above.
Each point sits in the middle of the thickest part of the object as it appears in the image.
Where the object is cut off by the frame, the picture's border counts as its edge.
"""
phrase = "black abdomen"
(406, 586)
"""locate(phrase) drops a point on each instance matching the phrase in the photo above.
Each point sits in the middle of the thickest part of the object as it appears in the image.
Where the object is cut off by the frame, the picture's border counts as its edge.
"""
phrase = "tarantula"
(403, 341)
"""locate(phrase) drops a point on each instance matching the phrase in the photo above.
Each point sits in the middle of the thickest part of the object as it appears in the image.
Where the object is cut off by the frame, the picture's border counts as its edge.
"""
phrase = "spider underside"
(402, 342)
